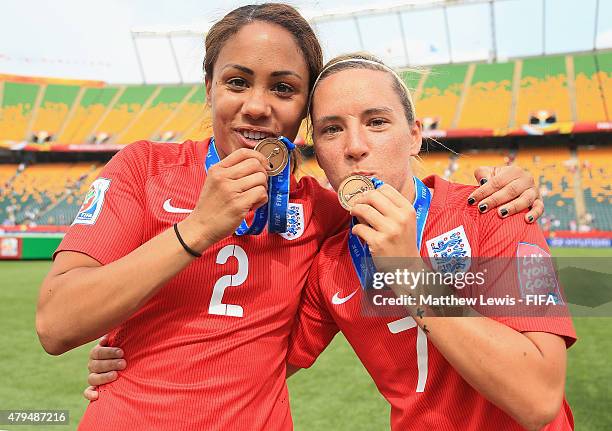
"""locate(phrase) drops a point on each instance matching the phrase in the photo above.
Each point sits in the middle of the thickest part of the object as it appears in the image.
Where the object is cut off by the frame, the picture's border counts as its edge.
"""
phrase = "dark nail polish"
(530, 218)
(482, 208)
(504, 212)
(471, 201)
(483, 181)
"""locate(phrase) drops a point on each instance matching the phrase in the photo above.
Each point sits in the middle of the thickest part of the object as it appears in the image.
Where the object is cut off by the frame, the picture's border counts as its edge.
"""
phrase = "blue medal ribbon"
(278, 196)
(360, 253)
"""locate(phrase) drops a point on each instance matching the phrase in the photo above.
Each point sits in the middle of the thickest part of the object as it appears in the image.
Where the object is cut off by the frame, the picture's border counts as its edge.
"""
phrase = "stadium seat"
(604, 61)
(553, 169)
(489, 97)
(543, 87)
(596, 178)
(53, 110)
(462, 167)
(41, 187)
(17, 110)
(158, 110)
(589, 103)
(432, 162)
(441, 92)
(188, 118)
(87, 114)
(125, 110)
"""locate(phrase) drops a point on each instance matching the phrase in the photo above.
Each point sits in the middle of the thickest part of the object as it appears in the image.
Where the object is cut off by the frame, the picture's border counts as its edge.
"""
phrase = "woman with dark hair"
(167, 257)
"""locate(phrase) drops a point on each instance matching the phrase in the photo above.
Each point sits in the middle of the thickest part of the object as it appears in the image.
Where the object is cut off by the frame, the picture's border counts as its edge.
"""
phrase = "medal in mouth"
(352, 187)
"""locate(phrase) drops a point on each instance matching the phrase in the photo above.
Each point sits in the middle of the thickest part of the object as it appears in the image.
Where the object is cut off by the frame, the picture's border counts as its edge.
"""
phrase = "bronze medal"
(276, 152)
(351, 187)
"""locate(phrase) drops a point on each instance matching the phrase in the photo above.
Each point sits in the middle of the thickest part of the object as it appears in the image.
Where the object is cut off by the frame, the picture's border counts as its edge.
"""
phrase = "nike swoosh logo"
(170, 209)
(336, 300)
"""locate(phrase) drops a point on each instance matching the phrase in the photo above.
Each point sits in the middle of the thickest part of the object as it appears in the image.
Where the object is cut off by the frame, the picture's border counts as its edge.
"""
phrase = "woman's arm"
(80, 300)
(521, 373)
(105, 362)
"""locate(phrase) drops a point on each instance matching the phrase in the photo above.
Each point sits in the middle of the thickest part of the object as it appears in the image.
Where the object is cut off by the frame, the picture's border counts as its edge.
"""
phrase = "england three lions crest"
(450, 252)
(295, 222)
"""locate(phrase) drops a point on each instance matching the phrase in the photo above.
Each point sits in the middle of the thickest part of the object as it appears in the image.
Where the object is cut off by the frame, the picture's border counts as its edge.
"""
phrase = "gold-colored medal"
(351, 187)
(276, 152)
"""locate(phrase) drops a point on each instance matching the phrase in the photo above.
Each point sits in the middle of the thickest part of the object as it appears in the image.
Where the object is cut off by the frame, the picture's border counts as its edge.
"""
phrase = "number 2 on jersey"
(216, 301)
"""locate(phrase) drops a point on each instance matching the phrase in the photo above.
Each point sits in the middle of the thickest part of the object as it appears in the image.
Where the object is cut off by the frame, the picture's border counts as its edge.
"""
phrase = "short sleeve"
(331, 217)
(520, 265)
(109, 224)
(314, 327)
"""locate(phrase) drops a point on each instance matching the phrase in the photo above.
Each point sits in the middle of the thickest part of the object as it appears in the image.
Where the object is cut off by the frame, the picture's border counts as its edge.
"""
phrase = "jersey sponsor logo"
(536, 273)
(174, 210)
(450, 252)
(94, 200)
(337, 300)
(295, 222)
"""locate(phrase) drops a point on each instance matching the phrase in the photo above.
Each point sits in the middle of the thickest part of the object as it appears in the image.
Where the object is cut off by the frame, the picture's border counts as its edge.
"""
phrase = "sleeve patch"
(94, 200)
(536, 272)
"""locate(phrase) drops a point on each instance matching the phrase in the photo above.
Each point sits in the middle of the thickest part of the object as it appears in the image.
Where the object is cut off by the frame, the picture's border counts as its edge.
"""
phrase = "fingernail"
(482, 208)
(483, 181)
(530, 218)
(118, 352)
(121, 363)
(504, 212)
(471, 201)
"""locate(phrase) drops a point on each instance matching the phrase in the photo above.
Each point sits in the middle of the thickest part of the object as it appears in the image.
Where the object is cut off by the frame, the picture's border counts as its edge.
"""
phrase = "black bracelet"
(185, 246)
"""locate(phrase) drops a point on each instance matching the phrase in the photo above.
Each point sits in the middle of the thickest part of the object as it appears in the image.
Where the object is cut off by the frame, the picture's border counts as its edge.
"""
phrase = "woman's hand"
(388, 223)
(104, 362)
(233, 187)
(510, 189)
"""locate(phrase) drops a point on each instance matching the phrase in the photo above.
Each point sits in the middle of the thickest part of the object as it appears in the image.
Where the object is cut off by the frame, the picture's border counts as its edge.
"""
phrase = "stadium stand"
(441, 93)
(430, 162)
(7, 172)
(55, 105)
(18, 103)
(604, 63)
(489, 97)
(576, 88)
(125, 111)
(554, 170)
(543, 87)
(158, 110)
(39, 188)
(86, 114)
(187, 116)
(589, 102)
(462, 167)
(596, 178)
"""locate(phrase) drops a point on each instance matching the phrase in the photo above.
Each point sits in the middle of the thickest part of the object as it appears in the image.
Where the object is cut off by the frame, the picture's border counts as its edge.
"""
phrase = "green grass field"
(335, 394)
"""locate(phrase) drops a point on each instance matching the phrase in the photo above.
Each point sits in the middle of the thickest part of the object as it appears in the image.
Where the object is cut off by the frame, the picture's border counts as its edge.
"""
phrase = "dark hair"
(275, 13)
(370, 62)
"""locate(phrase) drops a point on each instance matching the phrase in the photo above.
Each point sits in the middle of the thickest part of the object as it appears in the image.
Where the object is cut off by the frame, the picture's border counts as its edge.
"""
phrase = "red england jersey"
(424, 390)
(208, 351)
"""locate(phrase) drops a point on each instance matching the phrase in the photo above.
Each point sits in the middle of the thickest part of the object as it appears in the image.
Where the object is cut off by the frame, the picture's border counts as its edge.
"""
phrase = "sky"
(85, 39)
